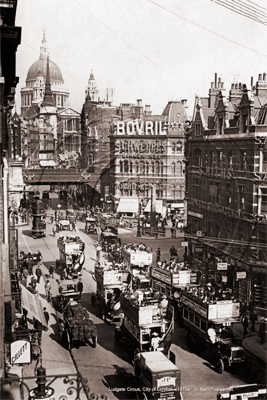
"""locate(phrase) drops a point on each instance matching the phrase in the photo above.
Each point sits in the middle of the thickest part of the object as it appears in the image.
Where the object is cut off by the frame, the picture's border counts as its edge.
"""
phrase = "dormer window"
(198, 129)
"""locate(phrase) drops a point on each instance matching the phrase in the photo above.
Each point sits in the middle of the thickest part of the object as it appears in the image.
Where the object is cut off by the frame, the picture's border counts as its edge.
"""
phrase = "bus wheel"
(220, 366)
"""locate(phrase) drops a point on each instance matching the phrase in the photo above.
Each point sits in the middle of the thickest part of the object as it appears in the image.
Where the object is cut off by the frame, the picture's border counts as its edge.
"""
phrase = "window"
(264, 161)
(121, 166)
(241, 197)
(243, 159)
(196, 320)
(185, 313)
(196, 188)
(152, 167)
(229, 159)
(157, 168)
(173, 168)
(263, 200)
(191, 316)
(131, 167)
(198, 129)
(203, 325)
(197, 159)
(126, 166)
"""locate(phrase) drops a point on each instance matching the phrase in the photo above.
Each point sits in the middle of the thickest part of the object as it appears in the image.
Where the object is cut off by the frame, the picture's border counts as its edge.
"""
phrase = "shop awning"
(32, 304)
(128, 205)
(158, 206)
(177, 205)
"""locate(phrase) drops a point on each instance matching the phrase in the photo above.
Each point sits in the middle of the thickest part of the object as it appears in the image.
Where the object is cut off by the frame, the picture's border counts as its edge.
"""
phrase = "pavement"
(55, 358)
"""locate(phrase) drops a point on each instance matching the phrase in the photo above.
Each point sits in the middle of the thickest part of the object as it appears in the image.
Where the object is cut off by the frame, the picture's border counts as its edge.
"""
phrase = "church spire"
(43, 48)
(48, 97)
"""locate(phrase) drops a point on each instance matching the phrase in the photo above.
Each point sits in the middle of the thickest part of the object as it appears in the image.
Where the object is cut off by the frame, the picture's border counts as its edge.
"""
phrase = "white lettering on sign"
(20, 352)
(194, 306)
(221, 266)
(166, 381)
(244, 396)
(139, 128)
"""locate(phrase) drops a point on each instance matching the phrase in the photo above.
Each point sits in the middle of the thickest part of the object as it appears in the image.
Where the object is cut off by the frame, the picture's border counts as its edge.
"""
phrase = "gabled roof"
(68, 111)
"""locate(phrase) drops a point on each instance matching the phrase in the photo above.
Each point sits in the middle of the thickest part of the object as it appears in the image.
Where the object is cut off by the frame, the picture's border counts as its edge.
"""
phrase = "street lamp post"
(139, 230)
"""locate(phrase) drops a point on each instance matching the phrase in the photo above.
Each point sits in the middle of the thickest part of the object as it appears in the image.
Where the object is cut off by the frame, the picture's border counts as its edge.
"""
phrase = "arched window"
(157, 167)
(125, 165)
(137, 168)
(152, 167)
(121, 166)
(197, 159)
(179, 169)
(173, 168)
(161, 168)
(147, 168)
(131, 167)
(142, 167)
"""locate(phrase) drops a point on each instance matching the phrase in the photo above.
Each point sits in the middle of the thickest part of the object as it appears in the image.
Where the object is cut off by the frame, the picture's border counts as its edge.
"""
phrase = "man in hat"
(245, 323)
(80, 287)
(38, 273)
(155, 341)
(262, 330)
(164, 304)
(158, 253)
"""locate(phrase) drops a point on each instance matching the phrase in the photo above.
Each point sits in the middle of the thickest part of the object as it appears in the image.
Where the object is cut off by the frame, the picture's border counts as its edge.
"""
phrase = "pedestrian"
(38, 273)
(39, 328)
(25, 273)
(80, 288)
(253, 319)
(34, 282)
(54, 231)
(48, 291)
(30, 266)
(262, 329)
(245, 324)
(164, 305)
(24, 317)
(73, 225)
(173, 251)
(155, 341)
(158, 253)
(46, 314)
(98, 249)
(51, 271)
(36, 351)
(63, 274)
(61, 327)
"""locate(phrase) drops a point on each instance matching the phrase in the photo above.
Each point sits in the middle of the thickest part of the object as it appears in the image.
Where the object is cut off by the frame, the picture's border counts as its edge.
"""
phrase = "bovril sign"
(20, 352)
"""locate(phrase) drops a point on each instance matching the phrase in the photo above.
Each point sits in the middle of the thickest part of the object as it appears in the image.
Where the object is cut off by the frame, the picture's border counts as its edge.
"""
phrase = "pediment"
(69, 111)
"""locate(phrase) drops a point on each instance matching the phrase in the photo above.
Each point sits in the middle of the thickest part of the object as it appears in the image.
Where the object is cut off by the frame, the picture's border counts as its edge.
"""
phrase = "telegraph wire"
(207, 30)
(245, 11)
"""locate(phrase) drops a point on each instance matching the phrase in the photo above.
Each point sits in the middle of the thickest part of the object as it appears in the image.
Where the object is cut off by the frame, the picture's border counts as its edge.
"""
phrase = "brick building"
(226, 187)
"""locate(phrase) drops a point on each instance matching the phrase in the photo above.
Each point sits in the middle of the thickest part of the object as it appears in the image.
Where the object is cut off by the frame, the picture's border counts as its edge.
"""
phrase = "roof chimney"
(215, 81)
(251, 82)
(139, 102)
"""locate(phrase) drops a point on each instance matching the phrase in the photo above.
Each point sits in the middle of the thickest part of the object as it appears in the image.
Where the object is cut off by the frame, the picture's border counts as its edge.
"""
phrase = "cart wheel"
(220, 366)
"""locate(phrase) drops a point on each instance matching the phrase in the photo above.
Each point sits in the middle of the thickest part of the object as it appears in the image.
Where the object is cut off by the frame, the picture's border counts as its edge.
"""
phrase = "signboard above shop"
(222, 266)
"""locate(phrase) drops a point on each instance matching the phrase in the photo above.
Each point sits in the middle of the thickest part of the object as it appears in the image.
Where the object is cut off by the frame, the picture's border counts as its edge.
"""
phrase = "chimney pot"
(215, 82)
(222, 85)
(260, 77)
(219, 85)
(219, 80)
(212, 85)
(240, 85)
(139, 102)
(232, 86)
(251, 82)
(236, 86)
(264, 76)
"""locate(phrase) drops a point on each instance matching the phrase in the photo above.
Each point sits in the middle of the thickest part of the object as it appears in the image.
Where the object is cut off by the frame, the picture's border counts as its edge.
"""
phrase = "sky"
(154, 50)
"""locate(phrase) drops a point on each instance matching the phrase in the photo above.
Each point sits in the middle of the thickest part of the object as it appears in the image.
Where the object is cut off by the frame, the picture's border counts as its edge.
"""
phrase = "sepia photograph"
(133, 199)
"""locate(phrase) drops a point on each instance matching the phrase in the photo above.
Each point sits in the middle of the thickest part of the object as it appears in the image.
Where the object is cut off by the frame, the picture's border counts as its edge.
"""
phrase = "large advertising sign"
(20, 352)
